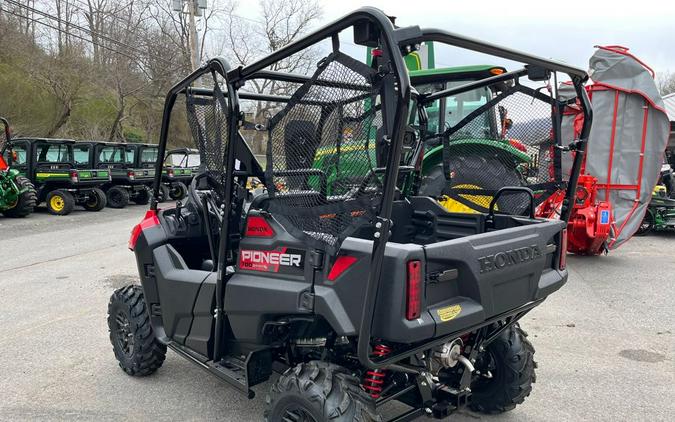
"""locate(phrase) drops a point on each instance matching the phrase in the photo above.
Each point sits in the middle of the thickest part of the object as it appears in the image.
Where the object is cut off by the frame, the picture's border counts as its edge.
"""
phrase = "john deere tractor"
(17, 193)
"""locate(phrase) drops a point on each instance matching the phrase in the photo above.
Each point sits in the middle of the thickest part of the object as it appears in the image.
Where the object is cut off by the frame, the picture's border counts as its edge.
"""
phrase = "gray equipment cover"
(628, 137)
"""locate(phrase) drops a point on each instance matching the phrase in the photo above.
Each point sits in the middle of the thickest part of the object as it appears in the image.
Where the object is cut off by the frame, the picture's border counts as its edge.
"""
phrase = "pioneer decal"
(281, 260)
(508, 258)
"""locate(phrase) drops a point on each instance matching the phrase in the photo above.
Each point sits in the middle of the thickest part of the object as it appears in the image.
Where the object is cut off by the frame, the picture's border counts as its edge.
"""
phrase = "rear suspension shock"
(373, 381)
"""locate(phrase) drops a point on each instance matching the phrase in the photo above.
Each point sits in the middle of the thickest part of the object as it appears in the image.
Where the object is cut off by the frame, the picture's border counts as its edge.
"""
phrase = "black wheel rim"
(115, 197)
(296, 413)
(125, 337)
(92, 201)
(486, 363)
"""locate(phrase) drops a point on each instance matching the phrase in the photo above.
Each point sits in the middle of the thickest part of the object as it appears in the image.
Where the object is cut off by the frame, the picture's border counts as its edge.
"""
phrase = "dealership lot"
(604, 342)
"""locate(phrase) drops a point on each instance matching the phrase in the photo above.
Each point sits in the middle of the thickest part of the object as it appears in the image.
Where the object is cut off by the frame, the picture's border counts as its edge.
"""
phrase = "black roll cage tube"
(392, 41)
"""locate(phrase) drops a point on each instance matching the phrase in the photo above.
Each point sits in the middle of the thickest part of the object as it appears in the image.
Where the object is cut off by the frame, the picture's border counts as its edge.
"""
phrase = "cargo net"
(207, 118)
(508, 141)
(320, 172)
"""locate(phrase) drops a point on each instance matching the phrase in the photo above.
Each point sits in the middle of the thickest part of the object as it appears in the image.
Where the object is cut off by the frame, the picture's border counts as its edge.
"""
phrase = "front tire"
(96, 200)
(510, 360)
(319, 391)
(27, 200)
(118, 197)
(647, 224)
(60, 202)
(178, 191)
(136, 348)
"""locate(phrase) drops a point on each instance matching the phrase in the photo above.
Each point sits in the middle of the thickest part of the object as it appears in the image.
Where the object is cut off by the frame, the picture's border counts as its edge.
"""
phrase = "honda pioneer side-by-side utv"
(340, 276)
(60, 182)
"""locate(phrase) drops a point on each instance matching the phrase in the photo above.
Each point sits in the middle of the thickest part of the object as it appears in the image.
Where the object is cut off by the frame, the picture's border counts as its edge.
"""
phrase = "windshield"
(448, 111)
(111, 155)
(182, 160)
(54, 153)
(129, 155)
(149, 155)
(81, 154)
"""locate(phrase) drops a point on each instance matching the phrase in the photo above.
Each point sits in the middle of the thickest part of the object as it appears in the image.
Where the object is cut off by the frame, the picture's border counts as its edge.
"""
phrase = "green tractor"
(465, 169)
(17, 194)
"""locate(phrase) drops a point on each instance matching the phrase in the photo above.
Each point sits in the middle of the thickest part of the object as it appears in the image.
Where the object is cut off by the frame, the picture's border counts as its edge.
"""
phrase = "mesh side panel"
(321, 154)
(507, 142)
(207, 117)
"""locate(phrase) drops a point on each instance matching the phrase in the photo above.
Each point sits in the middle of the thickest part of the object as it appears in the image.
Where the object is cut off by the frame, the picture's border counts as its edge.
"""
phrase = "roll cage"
(374, 29)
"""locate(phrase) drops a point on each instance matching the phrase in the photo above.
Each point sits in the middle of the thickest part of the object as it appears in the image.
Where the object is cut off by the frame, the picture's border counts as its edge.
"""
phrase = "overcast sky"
(549, 29)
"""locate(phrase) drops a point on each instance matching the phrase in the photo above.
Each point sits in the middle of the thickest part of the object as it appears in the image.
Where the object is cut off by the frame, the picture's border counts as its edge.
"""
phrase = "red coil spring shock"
(373, 381)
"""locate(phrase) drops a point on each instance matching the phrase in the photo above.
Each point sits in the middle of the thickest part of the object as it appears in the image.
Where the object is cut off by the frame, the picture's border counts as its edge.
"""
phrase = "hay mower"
(357, 289)
(17, 194)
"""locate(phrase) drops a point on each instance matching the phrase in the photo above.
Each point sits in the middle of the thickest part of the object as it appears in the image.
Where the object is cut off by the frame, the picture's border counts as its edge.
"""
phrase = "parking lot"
(604, 342)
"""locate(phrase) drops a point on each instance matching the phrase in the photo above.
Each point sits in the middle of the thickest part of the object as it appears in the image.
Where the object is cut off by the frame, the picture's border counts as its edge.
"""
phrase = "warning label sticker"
(448, 313)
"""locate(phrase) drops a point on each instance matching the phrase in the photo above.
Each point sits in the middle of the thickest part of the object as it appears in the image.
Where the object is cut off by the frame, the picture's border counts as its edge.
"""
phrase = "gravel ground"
(604, 342)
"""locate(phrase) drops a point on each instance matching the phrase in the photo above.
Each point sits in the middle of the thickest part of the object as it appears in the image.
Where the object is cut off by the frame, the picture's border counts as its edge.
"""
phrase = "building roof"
(669, 100)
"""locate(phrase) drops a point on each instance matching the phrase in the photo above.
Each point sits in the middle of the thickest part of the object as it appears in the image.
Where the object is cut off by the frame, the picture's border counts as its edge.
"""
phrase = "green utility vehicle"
(60, 183)
(130, 177)
(180, 167)
(17, 193)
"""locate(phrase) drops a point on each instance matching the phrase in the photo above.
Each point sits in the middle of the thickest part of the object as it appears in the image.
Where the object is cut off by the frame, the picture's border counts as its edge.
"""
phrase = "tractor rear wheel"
(319, 391)
(509, 360)
(96, 201)
(474, 173)
(136, 348)
(178, 191)
(118, 197)
(60, 202)
(27, 200)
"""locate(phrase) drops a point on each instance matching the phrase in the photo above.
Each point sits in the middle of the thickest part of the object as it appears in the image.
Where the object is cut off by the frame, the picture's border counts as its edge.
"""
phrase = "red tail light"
(257, 226)
(562, 258)
(170, 172)
(150, 220)
(131, 175)
(342, 264)
(74, 177)
(413, 299)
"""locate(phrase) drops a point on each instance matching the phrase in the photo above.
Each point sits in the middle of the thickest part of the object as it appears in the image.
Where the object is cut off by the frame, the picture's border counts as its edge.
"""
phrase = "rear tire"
(136, 348)
(96, 201)
(27, 201)
(163, 193)
(480, 173)
(510, 359)
(60, 202)
(118, 197)
(319, 391)
(142, 197)
(178, 191)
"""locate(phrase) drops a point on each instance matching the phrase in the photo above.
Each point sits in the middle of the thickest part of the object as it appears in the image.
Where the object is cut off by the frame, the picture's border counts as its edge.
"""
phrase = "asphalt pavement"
(604, 343)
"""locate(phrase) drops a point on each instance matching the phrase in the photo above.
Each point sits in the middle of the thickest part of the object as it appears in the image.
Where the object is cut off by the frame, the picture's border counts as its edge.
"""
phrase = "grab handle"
(499, 193)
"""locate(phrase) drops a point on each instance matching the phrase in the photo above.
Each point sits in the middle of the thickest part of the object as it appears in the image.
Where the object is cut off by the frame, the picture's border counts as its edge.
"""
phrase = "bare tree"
(666, 82)
(245, 40)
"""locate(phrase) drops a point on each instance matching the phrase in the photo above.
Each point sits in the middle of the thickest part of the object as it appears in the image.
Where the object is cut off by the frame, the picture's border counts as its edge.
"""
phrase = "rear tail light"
(342, 264)
(257, 226)
(170, 172)
(562, 258)
(74, 177)
(131, 175)
(413, 302)
(150, 220)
